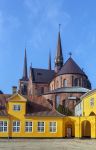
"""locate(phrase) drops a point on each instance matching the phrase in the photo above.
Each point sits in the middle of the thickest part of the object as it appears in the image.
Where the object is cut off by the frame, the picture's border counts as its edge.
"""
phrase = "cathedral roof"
(70, 67)
(42, 75)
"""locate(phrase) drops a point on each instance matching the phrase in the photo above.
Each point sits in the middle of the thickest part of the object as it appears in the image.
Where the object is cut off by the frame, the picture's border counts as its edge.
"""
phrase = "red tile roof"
(35, 106)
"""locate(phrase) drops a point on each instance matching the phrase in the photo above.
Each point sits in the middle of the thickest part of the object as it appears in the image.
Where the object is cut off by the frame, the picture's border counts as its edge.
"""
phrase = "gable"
(17, 98)
(89, 94)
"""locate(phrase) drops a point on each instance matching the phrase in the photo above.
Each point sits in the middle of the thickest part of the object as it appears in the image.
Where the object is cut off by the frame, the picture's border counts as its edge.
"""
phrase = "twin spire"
(59, 55)
(58, 59)
(25, 74)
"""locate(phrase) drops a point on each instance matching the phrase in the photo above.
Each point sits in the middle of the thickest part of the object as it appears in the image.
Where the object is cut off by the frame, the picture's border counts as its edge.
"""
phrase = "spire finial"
(70, 54)
(25, 76)
(59, 27)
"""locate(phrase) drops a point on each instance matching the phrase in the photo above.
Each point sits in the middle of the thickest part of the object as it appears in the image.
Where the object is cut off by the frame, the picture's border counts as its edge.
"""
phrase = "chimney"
(14, 89)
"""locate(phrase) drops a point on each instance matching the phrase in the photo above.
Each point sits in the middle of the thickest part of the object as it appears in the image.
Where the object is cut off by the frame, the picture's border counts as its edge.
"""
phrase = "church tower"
(59, 55)
(23, 82)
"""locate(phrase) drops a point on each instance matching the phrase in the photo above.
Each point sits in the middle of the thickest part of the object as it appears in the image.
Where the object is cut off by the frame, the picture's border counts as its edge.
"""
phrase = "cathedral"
(62, 86)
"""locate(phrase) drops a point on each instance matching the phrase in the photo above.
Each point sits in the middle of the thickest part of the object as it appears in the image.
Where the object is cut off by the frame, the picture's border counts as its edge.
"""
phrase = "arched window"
(76, 81)
(65, 83)
(42, 90)
(57, 84)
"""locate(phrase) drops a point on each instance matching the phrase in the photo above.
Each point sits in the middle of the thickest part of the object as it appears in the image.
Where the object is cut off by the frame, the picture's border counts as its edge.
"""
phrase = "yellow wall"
(86, 107)
(20, 116)
(62, 124)
(81, 126)
(35, 133)
(4, 134)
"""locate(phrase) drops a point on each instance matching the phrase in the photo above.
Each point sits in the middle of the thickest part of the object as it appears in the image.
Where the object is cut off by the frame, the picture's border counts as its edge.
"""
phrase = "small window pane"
(28, 126)
(40, 126)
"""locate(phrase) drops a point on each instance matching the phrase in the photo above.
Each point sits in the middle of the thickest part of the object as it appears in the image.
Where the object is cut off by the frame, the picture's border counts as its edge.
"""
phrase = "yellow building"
(35, 118)
(89, 103)
(25, 118)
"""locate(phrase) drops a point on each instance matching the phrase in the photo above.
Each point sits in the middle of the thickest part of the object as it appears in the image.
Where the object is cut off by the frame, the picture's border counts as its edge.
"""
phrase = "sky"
(34, 24)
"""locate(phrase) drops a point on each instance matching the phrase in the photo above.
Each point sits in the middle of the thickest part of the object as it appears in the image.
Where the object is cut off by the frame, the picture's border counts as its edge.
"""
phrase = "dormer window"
(16, 107)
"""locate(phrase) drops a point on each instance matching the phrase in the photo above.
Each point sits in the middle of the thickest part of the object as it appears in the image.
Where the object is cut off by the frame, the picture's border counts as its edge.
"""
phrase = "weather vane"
(70, 54)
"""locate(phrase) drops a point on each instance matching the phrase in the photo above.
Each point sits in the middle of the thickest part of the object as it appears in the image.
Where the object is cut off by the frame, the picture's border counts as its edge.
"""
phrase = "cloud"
(8, 24)
(44, 17)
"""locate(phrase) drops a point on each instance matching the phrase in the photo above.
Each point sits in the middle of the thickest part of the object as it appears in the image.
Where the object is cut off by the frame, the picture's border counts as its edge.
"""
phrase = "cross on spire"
(70, 54)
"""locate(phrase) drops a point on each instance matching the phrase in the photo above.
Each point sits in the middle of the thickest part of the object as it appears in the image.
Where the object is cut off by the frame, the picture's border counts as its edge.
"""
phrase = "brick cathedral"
(62, 86)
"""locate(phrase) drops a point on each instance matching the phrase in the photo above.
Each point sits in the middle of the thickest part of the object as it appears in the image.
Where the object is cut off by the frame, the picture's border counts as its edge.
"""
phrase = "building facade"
(63, 86)
(22, 117)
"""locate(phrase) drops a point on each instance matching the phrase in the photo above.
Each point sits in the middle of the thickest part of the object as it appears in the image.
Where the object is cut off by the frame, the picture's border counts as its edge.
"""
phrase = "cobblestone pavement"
(47, 144)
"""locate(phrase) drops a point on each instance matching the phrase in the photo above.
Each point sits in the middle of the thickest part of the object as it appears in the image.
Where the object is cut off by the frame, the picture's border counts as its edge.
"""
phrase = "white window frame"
(3, 126)
(16, 126)
(16, 107)
(29, 126)
(52, 127)
(41, 126)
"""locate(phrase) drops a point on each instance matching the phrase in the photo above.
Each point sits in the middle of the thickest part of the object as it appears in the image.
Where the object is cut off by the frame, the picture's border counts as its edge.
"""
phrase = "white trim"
(4, 126)
(28, 126)
(16, 126)
(17, 109)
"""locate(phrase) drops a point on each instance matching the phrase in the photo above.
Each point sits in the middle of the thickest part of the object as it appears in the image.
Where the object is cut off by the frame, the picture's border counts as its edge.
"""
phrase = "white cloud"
(8, 23)
(44, 16)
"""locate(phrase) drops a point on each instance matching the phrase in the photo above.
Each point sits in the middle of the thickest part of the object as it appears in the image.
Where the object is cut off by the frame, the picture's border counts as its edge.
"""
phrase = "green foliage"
(64, 110)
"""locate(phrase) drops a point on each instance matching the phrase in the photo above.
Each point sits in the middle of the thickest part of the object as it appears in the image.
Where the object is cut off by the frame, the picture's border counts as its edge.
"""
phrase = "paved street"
(47, 144)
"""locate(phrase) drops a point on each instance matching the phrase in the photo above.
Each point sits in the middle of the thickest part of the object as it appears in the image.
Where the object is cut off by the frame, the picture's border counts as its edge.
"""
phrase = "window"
(3, 126)
(28, 126)
(65, 83)
(92, 102)
(76, 81)
(53, 126)
(42, 90)
(16, 126)
(40, 126)
(16, 107)
(57, 84)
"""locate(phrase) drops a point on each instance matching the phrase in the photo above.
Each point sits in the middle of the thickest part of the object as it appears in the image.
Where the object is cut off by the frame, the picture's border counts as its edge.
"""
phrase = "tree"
(64, 110)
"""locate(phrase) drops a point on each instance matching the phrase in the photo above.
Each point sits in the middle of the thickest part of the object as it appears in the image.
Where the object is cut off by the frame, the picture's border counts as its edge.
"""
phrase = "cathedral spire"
(59, 54)
(49, 62)
(25, 75)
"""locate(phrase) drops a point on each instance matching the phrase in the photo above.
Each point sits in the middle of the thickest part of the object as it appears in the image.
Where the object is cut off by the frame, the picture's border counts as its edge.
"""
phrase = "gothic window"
(84, 83)
(76, 81)
(79, 81)
(65, 83)
(57, 84)
(52, 87)
(42, 90)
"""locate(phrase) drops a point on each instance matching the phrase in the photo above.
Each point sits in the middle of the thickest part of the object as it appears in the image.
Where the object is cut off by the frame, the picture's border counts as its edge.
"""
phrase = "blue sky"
(34, 24)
